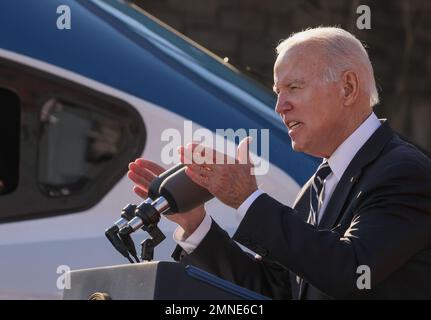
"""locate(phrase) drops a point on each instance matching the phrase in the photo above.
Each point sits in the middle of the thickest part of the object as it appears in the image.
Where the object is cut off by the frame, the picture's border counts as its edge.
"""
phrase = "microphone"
(122, 242)
(178, 194)
(182, 193)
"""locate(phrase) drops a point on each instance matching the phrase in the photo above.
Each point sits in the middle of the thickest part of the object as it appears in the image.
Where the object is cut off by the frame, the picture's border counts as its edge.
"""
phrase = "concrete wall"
(247, 32)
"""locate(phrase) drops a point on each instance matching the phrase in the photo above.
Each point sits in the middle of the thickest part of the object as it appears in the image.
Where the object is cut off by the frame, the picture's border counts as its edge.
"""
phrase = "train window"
(9, 140)
(76, 142)
(64, 145)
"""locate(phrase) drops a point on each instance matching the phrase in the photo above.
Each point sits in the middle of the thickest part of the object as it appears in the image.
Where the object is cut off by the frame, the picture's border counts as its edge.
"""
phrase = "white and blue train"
(77, 105)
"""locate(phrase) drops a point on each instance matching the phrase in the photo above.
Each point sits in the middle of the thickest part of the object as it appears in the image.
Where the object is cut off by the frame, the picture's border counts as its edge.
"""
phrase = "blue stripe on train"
(103, 49)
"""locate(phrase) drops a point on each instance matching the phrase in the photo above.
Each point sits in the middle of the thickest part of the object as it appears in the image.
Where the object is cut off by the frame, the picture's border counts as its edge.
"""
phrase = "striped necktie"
(316, 191)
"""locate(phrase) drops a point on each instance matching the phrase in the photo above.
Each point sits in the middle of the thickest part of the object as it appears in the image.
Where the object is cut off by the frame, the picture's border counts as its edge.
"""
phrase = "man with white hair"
(359, 228)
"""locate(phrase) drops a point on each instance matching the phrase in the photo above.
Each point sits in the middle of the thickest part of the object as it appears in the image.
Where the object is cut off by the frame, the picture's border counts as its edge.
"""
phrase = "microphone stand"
(123, 242)
(173, 192)
(148, 245)
(147, 216)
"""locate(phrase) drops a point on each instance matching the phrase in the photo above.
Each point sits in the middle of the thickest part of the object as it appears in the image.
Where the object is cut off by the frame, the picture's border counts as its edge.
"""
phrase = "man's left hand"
(231, 181)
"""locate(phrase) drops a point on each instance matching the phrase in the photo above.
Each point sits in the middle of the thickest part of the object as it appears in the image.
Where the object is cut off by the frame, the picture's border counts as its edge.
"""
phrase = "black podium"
(153, 281)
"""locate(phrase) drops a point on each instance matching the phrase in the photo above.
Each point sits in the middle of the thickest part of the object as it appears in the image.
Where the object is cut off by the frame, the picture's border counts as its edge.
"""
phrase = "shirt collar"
(345, 152)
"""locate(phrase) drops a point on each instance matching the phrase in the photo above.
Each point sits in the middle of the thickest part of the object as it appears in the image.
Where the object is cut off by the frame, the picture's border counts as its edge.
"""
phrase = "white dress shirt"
(338, 163)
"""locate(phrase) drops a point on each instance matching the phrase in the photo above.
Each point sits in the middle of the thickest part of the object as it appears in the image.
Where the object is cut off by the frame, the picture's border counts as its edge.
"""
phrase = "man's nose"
(283, 104)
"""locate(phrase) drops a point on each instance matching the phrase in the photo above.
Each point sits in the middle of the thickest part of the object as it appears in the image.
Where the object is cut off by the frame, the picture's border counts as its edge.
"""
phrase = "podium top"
(153, 280)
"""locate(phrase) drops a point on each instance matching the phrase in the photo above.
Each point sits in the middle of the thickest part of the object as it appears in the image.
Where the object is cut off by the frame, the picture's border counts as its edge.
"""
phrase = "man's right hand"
(142, 172)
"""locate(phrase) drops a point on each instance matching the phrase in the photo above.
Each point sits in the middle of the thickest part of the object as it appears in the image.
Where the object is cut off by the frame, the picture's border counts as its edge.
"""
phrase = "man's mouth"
(293, 124)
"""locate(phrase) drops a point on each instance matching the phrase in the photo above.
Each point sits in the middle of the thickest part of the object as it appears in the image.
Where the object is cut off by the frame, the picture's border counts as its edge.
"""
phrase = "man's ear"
(350, 82)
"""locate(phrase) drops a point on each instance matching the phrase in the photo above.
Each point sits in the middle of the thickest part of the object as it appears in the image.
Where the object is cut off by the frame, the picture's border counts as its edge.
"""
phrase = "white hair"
(344, 51)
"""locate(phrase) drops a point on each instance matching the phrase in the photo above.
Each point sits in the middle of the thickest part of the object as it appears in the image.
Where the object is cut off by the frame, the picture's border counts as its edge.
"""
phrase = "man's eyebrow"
(296, 81)
(299, 81)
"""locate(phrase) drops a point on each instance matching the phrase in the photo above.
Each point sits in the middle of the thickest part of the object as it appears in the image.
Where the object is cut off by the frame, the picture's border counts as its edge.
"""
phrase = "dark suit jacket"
(379, 216)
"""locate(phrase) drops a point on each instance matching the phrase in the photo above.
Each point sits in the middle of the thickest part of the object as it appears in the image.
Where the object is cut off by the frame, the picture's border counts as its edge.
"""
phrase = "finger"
(186, 157)
(192, 146)
(186, 154)
(181, 151)
(212, 156)
(197, 178)
(150, 165)
(142, 182)
(140, 171)
(201, 169)
(202, 154)
(243, 151)
(140, 192)
(201, 166)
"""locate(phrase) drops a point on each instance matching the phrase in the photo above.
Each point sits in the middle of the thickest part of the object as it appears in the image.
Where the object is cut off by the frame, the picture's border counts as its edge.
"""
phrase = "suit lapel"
(368, 153)
(302, 201)
(339, 197)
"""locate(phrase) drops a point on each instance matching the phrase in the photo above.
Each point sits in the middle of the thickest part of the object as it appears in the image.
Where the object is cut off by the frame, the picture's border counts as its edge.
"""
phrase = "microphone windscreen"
(182, 193)
(154, 189)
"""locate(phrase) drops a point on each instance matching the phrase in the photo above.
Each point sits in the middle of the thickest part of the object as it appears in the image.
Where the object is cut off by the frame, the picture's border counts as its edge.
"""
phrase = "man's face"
(310, 107)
